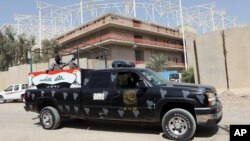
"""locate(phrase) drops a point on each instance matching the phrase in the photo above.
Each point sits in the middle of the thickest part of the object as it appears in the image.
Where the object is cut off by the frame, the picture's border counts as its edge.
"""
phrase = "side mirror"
(141, 85)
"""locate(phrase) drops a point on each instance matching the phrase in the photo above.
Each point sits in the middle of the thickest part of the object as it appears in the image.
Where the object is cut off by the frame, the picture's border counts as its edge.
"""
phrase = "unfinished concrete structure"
(116, 37)
(53, 20)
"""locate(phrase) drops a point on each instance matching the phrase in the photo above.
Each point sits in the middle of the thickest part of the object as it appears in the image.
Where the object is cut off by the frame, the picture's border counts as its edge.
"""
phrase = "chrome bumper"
(209, 118)
(209, 115)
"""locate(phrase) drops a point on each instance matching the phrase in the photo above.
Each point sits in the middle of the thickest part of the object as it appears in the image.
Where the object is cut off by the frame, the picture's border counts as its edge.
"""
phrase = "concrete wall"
(19, 74)
(238, 49)
(211, 58)
(124, 53)
(190, 35)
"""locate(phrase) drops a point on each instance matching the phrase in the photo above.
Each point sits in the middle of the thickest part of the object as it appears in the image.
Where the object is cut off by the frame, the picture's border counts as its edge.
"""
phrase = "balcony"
(121, 21)
(142, 64)
(125, 38)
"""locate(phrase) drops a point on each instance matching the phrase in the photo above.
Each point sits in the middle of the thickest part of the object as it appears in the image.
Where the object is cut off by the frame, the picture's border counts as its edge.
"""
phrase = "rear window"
(16, 88)
(99, 79)
(24, 86)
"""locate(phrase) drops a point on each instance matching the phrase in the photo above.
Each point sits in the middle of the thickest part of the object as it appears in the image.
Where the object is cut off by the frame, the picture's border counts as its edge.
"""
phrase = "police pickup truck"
(123, 93)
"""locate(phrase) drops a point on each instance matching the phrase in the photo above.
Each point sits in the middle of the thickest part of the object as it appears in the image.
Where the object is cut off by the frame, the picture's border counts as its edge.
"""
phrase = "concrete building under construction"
(115, 37)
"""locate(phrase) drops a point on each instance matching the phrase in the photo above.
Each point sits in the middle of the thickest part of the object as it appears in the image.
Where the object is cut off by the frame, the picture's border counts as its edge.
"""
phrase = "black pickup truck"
(128, 94)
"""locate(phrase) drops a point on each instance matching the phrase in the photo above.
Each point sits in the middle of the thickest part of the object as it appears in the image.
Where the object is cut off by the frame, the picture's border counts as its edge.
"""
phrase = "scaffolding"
(53, 20)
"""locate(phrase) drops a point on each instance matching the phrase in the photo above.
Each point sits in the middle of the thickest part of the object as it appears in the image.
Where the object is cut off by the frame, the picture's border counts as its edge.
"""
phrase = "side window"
(9, 89)
(127, 80)
(100, 79)
(16, 88)
(24, 86)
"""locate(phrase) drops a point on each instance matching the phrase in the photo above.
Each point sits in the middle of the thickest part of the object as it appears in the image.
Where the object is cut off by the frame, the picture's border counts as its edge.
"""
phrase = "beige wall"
(211, 58)
(19, 74)
(238, 49)
(124, 53)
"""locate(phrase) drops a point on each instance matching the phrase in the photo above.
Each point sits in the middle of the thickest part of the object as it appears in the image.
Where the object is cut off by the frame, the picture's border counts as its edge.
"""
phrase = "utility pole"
(81, 11)
(30, 60)
(183, 36)
(78, 63)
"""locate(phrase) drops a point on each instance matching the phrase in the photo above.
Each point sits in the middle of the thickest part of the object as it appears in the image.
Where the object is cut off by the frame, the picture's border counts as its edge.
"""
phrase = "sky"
(9, 8)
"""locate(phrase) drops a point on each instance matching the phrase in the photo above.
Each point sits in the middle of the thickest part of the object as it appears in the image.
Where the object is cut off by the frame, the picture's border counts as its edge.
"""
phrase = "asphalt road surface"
(18, 125)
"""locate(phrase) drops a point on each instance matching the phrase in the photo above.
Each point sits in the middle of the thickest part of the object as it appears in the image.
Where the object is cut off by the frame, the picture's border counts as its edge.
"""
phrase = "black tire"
(178, 124)
(50, 118)
(1, 99)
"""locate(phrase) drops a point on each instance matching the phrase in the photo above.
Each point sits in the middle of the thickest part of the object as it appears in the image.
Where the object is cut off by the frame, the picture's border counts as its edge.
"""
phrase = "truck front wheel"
(178, 124)
(23, 98)
(50, 118)
(1, 99)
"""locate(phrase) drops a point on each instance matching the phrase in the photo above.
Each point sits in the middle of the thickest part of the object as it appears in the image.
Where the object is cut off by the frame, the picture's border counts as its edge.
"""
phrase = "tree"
(7, 46)
(188, 76)
(158, 62)
(49, 49)
(23, 46)
(14, 49)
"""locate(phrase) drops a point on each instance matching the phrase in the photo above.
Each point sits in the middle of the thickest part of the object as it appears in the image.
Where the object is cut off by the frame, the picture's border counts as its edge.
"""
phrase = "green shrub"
(188, 76)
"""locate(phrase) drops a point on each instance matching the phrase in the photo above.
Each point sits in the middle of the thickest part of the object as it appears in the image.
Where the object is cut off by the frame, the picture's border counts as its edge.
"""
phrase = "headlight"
(211, 99)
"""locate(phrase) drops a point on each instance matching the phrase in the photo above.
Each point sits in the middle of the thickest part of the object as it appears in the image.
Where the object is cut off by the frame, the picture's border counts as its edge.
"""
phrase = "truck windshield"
(153, 77)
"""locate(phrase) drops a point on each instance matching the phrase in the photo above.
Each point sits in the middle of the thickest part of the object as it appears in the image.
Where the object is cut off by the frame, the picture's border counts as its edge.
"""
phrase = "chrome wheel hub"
(47, 119)
(177, 125)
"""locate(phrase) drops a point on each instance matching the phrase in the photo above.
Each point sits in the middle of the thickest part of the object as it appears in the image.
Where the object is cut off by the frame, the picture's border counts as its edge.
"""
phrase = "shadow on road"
(112, 126)
(201, 131)
(225, 128)
(206, 131)
(109, 126)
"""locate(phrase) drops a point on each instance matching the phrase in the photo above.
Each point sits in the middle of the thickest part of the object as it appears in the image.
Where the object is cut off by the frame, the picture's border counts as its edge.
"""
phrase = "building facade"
(115, 37)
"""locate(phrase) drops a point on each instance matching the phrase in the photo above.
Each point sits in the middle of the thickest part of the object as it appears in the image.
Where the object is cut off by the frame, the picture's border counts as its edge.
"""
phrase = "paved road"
(18, 125)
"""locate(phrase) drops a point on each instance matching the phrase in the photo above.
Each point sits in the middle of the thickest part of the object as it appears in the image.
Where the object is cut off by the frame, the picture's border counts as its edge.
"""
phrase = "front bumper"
(209, 115)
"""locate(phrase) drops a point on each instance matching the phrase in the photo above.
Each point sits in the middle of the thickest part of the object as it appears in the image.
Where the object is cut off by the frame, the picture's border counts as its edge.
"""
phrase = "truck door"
(132, 103)
(96, 95)
(9, 92)
(15, 94)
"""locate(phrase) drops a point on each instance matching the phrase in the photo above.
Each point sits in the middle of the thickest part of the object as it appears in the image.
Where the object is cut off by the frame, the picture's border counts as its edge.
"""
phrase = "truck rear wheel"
(178, 124)
(50, 118)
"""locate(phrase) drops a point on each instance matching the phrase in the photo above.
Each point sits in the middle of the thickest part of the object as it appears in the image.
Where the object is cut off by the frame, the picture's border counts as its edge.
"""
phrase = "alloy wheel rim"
(177, 125)
(47, 119)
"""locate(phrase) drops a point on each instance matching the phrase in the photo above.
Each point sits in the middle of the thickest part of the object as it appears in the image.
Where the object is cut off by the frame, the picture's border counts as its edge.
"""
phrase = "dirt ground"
(18, 125)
